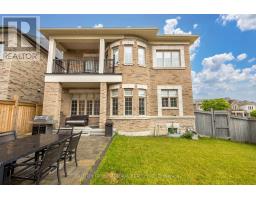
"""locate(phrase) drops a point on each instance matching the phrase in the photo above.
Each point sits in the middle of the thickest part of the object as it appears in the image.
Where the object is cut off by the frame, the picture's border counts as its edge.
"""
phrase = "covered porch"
(62, 100)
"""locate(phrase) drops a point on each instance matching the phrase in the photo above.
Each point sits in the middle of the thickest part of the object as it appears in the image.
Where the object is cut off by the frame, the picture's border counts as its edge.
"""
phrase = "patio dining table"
(19, 148)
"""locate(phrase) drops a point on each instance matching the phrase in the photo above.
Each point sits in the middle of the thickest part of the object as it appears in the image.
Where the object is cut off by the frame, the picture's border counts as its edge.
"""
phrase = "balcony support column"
(101, 56)
(103, 105)
(51, 55)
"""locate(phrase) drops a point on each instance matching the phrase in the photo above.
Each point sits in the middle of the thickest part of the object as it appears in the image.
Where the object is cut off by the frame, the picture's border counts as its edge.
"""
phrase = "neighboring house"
(198, 105)
(20, 74)
(248, 107)
(138, 79)
(236, 109)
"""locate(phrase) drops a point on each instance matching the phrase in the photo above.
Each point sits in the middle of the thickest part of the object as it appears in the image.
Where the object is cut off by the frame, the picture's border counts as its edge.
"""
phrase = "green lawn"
(162, 160)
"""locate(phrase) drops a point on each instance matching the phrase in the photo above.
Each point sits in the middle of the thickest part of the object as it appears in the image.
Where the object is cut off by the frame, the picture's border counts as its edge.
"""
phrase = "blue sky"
(217, 69)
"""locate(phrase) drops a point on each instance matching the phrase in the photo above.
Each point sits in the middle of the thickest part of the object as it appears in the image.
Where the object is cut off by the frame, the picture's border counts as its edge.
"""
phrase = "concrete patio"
(89, 150)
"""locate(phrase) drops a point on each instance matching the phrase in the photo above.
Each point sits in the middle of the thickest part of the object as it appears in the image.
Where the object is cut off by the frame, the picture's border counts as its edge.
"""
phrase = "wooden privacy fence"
(220, 124)
(15, 115)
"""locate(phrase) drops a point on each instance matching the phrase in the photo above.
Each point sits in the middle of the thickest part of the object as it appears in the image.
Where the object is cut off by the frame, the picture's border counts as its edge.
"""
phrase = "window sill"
(141, 65)
(94, 116)
(168, 68)
(131, 64)
(170, 108)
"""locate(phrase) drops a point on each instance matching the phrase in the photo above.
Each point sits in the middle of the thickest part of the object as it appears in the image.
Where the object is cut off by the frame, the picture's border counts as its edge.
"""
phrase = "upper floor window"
(127, 55)
(1, 51)
(116, 55)
(169, 98)
(128, 101)
(168, 58)
(141, 56)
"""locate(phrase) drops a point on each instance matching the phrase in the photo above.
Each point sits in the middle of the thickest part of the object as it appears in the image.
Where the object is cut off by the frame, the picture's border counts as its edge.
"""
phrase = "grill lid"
(43, 119)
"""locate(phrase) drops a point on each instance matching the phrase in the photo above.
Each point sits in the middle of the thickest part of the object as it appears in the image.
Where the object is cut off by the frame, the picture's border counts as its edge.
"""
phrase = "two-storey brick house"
(133, 76)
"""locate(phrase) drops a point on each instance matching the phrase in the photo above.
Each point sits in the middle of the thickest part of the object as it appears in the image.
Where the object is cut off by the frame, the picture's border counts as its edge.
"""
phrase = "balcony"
(82, 66)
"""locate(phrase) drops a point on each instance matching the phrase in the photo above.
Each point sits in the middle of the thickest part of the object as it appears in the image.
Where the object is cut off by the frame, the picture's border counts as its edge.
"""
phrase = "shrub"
(215, 104)
(187, 135)
(253, 114)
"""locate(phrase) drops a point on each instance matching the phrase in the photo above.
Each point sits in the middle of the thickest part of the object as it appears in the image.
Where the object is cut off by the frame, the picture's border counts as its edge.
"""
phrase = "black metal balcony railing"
(88, 65)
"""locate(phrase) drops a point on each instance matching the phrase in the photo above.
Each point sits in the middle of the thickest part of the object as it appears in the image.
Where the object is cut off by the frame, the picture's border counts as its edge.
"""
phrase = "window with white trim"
(142, 102)
(168, 58)
(74, 107)
(96, 108)
(116, 55)
(128, 55)
(128, 101)
(169, 98)
(89, 107)
(114, 103)
(1, 51)
(141, 56)
(81, 107)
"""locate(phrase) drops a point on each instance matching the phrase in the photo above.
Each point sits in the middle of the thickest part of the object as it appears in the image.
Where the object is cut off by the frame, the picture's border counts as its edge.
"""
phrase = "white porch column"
(51, 54)
(101, 56)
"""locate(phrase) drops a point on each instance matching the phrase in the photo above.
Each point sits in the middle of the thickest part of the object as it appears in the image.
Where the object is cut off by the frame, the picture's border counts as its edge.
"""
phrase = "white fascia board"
(83, 78)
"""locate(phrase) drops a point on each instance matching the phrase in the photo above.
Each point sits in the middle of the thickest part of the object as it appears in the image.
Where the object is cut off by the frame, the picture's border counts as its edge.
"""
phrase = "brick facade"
(24, 78)
(138, 77)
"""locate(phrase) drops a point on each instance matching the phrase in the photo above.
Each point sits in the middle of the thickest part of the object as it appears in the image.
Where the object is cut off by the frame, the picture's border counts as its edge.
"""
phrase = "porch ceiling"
(81, 85)
(78, 45)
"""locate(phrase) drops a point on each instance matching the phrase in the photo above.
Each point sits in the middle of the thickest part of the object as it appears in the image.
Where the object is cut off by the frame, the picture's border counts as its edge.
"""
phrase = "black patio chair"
(38, 170)
(71, 150)
(68, 131)
(7, 136)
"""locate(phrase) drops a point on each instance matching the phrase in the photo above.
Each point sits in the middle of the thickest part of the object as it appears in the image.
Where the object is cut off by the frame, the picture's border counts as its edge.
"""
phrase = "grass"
(162, 160)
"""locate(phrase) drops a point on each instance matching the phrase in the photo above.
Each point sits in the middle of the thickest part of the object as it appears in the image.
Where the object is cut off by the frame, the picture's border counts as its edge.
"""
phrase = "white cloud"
(252, 60)
(98, 26)
(194, 48)
(220, 78)
(171, 27)
(241, 56)
(195, 26)
(243, 22)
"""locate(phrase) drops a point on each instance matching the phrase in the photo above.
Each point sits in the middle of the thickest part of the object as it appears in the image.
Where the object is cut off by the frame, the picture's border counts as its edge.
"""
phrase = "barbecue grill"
(42, 124)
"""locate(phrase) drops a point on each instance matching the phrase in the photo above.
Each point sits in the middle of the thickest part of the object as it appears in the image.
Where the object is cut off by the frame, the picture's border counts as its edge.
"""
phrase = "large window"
(74, 107)
(141, 56)
(168, 58)
(169, 98)
(142, 102)
(89, 107)
(81, 107)
(96, 110)
(1, 51)
(127, 55)
(114, 103)
(116, 55)
(128, 101)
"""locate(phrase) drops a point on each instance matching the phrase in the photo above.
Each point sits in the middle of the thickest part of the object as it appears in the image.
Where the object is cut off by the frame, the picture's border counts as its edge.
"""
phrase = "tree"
(215, 104)
(253, 113)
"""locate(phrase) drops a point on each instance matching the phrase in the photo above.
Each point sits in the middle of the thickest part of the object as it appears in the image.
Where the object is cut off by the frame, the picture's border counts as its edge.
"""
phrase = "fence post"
(15, 112)
(213, 122)
(228, 122)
